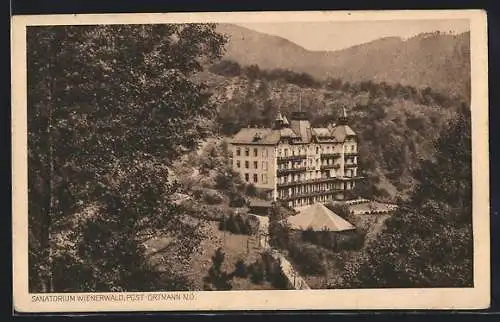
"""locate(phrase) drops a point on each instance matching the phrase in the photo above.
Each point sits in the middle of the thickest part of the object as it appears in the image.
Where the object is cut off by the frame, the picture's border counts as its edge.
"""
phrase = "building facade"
(296, 163)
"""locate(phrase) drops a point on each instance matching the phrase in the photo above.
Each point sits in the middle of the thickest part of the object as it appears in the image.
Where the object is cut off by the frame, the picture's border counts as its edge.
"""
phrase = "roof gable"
(318, 218)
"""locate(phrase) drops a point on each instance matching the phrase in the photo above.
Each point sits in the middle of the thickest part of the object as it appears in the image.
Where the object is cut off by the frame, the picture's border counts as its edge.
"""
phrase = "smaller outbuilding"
(317, 217)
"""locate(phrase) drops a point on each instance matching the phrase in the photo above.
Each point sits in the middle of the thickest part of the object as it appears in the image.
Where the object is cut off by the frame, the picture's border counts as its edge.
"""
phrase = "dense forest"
(396, 124)
(415, 148)
(100, 99)
(428, 242)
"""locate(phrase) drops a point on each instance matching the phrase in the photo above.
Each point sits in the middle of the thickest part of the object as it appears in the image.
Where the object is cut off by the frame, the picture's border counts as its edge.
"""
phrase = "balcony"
(331, 155)
(330, 166)
(350, 165)
(282, 159)
(351, 178)
(302, 182)
(311, 194)
(350, 154)
(291, 170)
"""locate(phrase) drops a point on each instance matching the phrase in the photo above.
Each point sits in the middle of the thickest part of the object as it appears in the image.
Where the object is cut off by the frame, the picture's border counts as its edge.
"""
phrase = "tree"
(226, 68)
(108, 107)
(217, 279)
(258, 272)
(252, 72)
(340, 209)
(428, 241)
(240, 269)
(279, 228)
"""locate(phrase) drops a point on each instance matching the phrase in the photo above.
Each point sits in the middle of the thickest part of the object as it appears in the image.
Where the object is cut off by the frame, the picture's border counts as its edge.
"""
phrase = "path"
(294, 278)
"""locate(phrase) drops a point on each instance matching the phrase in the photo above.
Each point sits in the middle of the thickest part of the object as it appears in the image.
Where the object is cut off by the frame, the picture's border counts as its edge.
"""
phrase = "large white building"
(297, 163)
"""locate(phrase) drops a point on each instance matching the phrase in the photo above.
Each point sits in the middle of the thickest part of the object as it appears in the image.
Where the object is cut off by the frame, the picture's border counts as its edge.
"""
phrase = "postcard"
(250, 161)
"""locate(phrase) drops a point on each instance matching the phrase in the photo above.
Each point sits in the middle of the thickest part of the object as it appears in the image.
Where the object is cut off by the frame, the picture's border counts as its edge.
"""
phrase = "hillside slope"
(440, 61)
(396, 125)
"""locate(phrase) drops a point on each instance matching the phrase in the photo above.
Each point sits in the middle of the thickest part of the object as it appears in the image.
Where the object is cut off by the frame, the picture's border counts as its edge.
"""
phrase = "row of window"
(255, 178)
(314, 175)
(255, 152)
(302, 151)
(286, 152)
(310, 200)
(283, 193)
(311, 162)
(301, 177)
(255, 165)
(289, 192)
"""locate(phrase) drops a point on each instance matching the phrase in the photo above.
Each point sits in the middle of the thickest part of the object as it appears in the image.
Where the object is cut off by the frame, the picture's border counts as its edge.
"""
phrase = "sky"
(339, 35)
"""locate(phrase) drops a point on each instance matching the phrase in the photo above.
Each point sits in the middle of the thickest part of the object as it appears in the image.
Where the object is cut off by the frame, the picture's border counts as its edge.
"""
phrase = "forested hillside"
(99, 100)
(113, 111)
(414, 148)
(438, 60)
(428, 242)
(396, 124)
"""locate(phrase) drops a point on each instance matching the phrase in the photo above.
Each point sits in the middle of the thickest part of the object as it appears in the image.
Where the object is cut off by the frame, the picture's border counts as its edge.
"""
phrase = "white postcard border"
(431, 298)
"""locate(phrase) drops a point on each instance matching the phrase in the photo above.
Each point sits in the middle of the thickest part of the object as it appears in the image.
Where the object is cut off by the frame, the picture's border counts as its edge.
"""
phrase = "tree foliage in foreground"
(217, 279)
(428, 243)
(108, 108)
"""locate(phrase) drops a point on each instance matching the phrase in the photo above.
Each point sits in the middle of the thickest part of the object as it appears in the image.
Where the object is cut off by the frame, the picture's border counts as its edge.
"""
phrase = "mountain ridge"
(437, 60)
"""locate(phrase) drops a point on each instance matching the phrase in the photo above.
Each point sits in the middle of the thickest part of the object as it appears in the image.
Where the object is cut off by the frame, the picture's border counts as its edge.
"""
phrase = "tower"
(300, 124)
(285, 122)
(343, 119)
(279, 121)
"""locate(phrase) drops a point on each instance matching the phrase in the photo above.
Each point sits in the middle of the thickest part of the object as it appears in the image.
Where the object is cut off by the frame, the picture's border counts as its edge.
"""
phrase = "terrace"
(302, 182)
(311, 194)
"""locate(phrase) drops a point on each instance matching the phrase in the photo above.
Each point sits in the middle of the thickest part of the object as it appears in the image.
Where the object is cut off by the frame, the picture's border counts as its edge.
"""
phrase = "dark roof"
(340, 132)
(266, 136)
(256, 136)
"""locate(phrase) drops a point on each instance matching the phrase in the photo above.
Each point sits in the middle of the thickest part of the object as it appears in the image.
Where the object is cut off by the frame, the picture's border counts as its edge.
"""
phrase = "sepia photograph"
(179, 159)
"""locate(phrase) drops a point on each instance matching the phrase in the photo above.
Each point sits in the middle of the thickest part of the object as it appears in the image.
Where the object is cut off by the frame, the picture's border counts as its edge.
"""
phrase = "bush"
(232, 225)
(309, 260)
(236, 224)
(222, 224)
(280, 281)
(309, 235)
(324, 239)
(257, 272)
(340, 209)
(236, 200)
(267, 268)
(212, 197)
(217, 279)
(240, 269)
(226, 68)
(352, 241)
(227, 180)
(251, 190)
